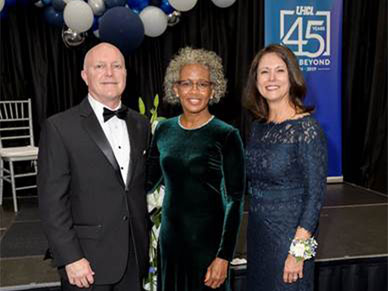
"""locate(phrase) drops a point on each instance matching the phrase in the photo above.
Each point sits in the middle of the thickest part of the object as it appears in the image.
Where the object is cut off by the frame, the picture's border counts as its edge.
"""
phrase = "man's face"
(104, 73)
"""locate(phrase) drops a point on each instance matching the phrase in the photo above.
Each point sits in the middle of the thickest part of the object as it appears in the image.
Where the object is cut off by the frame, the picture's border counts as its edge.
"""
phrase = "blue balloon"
(4, 13)
(123, 28)
(114, 3)
(10, 3)
(166, 7)
(59, 5)
(96, 23)
(53, 17)
(138, 5)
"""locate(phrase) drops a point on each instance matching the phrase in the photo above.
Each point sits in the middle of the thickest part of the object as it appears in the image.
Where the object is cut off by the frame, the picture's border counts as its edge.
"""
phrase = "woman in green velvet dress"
(200, 160)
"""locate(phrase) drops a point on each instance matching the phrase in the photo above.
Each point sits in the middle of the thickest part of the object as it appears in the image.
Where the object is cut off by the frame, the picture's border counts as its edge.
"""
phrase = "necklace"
(197, 127)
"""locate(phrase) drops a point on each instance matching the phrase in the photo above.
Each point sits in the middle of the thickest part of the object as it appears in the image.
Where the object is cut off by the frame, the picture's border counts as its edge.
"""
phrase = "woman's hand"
(216, 273)
(293, 270)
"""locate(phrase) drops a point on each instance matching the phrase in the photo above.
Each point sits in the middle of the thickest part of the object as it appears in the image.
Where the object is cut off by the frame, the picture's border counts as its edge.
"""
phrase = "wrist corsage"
(303, 249)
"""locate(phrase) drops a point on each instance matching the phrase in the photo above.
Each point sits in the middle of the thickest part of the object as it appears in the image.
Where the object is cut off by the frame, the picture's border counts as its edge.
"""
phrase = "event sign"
(313, 31)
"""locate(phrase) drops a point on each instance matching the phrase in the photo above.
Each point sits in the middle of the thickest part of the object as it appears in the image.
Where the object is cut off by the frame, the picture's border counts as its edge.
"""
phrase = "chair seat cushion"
(19, 152)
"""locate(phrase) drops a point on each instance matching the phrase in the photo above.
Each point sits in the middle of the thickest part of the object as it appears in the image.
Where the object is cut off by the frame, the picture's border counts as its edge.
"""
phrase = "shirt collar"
(98, 108)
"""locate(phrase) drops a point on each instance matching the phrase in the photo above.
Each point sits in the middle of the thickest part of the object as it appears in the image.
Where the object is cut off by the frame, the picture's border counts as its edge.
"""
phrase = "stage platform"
(352, 254)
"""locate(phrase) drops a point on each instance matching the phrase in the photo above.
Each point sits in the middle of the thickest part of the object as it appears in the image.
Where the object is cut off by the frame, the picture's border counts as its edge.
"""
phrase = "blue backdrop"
(313, 31)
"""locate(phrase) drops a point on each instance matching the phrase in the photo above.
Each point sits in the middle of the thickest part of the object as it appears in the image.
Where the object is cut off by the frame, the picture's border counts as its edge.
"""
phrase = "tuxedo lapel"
(93, 128)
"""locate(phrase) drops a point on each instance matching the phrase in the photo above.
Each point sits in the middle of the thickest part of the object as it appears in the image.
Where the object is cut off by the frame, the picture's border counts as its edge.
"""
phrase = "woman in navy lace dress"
(286, 168)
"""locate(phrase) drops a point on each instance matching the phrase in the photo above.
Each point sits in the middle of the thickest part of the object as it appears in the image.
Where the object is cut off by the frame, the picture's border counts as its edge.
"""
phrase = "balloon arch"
(122, 22)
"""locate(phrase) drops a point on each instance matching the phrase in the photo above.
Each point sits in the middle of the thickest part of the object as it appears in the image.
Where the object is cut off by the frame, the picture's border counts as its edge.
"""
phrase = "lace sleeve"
(313, 155)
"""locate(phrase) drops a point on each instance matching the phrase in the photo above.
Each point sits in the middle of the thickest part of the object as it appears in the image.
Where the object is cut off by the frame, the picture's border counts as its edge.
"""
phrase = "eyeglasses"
(202, 85)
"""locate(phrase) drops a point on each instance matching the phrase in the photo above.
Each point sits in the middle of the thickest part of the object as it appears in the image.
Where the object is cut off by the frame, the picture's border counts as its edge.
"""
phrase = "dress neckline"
(194, 128)
(287, 120)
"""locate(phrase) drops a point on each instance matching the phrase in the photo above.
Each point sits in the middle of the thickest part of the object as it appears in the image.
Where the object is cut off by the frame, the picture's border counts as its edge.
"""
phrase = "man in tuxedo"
(91, 183)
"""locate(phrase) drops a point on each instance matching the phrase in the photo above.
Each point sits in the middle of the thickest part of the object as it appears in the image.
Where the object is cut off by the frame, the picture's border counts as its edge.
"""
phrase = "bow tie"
(120, 113)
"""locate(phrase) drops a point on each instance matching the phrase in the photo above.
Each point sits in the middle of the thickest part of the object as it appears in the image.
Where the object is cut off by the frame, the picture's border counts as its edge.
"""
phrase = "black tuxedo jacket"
(86, 209)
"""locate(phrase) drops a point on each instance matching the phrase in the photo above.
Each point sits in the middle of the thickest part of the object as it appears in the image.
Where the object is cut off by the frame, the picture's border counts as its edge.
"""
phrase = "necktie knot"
(120, 113)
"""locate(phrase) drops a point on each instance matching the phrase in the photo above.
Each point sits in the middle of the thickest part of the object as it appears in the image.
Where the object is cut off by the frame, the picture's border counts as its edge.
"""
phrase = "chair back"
(16, 123)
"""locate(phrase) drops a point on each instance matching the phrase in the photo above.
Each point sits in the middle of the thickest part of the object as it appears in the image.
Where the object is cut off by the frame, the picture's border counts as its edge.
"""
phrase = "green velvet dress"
(204, 177)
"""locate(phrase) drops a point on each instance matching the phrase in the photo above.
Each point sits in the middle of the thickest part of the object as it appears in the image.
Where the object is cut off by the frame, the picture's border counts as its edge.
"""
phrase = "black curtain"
(364, 91)
(36, 64)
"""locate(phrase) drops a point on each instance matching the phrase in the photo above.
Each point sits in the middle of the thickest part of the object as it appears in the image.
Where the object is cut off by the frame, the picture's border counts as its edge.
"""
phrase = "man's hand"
(216, 273)
(80, 273)
(293, 270)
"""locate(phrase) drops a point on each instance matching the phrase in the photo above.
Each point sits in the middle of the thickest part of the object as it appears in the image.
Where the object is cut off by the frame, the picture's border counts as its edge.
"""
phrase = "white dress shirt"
(116, 132)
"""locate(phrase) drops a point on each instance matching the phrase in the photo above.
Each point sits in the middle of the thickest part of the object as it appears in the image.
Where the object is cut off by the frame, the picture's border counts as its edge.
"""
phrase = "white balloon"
(78, 15)
(223, 3)
(182, 5)
(154, 20)
(2, 2)
(98, 6)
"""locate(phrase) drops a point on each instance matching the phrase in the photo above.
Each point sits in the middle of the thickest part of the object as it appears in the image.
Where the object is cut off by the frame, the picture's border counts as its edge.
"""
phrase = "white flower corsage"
(303, 249)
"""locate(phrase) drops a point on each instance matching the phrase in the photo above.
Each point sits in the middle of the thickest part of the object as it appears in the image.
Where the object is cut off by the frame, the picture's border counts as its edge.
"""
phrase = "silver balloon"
(98, 6)
(39, 4)
(72, 38)
(173, 18)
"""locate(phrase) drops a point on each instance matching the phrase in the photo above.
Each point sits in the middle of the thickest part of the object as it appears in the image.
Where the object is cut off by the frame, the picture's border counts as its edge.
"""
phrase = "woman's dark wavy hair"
(256, 103)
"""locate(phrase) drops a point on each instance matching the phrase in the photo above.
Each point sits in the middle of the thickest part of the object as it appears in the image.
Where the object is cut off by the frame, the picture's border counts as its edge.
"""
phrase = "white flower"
(298, 250)
(155, 199)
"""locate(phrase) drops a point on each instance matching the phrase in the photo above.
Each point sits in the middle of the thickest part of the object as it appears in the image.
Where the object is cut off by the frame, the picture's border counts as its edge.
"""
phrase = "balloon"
(138, 5)
(96, 33)
(154, 20)
(223, 3)
(9, 3)
(52, 16)
(59, 5)
(98, 6)
(114, 3)
(46, 2)
(72, 38)
(78, 16)
(173, 18)
(2, 2)
(122, 27)
(183, 5)
(4, 13)
(39, 4)
(166, 7)
(96, 23)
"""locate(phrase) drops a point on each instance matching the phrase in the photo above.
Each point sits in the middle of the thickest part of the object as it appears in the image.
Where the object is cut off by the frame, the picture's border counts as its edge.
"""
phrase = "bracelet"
(303, 249)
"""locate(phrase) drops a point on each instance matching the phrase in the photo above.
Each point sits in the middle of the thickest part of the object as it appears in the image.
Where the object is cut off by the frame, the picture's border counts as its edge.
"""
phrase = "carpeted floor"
(22, 248)
(23, 239)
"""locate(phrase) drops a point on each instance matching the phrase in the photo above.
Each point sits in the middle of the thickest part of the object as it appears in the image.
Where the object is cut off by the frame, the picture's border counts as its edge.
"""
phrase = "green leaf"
(156, 101)
(141, 106)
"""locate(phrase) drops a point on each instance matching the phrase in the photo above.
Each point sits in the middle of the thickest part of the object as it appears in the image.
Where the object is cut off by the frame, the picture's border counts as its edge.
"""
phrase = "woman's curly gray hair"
(190, 56)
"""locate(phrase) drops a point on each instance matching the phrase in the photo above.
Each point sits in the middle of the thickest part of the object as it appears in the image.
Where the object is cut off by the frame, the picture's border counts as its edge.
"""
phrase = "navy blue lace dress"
(286, 168)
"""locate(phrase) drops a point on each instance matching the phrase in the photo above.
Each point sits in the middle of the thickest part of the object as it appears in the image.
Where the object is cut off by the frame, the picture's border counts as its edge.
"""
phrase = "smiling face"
(104, 73)
(272, 78)
(194, 89)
